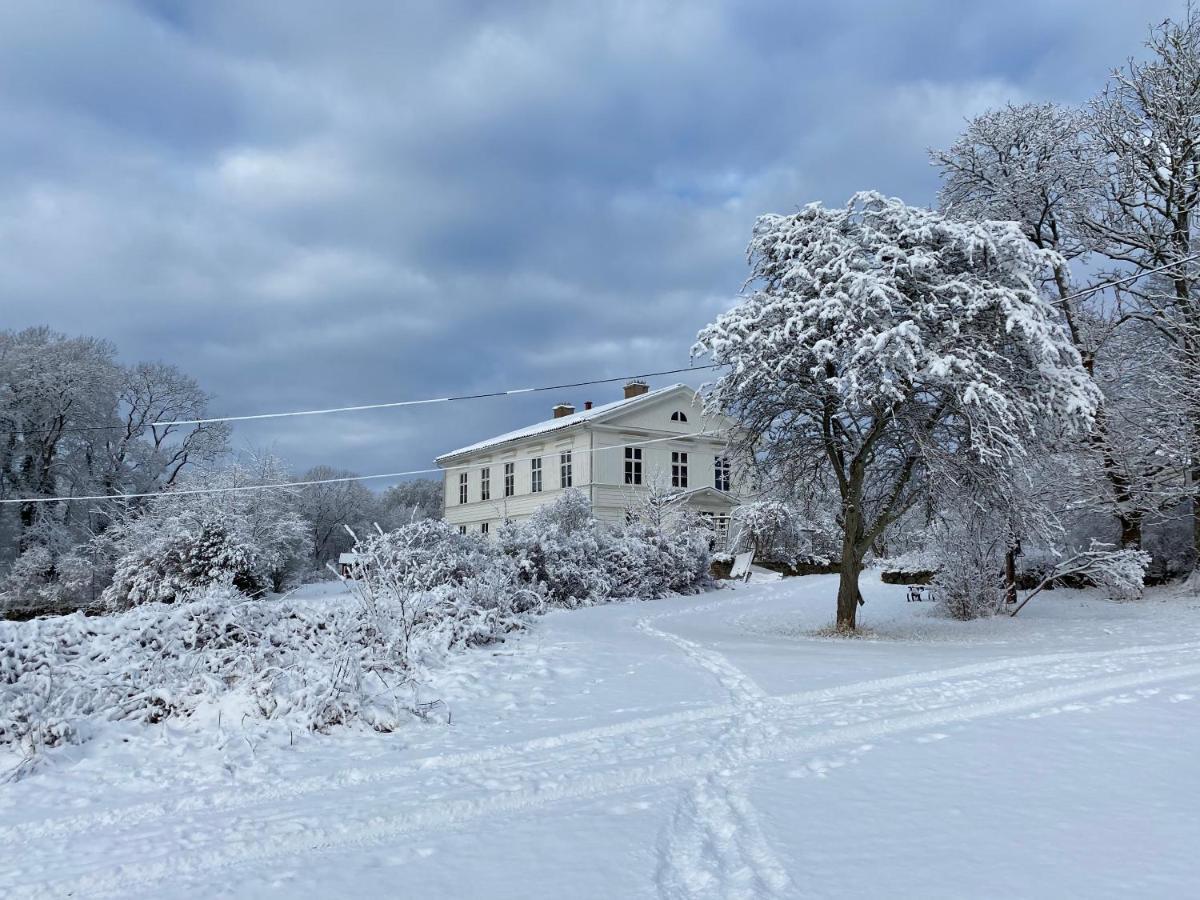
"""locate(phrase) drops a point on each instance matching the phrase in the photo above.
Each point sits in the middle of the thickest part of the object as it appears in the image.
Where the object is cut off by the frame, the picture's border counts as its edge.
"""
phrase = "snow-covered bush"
(49, 577)
(561, 549)
(774, 529)
(184, 558)
(316, 667)
(182, 543)
(421, 591)
(571, 559)
(424, 588)
(969, 554)
(645, 562)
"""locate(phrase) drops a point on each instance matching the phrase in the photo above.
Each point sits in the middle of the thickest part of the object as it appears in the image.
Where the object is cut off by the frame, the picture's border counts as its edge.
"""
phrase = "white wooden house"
(612, 453)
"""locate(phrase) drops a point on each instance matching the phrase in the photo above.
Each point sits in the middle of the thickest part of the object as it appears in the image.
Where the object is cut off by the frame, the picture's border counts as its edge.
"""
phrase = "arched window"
(678, 416)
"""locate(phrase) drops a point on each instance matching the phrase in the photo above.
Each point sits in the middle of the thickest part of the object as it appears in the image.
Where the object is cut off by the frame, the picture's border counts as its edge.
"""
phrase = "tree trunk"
(1010, 572)
(1195, 485)
(1131, 531)
(849, 596)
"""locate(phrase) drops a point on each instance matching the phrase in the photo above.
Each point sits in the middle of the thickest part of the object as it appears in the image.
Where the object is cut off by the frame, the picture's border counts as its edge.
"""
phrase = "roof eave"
(602, 417)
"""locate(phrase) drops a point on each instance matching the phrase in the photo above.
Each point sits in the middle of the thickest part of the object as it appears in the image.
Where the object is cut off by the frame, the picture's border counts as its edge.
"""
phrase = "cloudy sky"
(309, 204)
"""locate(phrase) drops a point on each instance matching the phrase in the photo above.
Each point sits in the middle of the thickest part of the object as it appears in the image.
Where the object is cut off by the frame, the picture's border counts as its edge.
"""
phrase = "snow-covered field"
(714, 746)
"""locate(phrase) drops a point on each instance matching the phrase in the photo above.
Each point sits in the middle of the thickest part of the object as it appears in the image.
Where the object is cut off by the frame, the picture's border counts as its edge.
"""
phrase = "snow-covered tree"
(411, 501)
(883, 339)
(75, 422)
(1033, 165)
(1146, 127)
(212, 528)
(331, 509)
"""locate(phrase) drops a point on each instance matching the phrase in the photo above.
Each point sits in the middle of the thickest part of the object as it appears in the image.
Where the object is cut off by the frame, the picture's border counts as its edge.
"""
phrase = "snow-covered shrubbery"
(313, 666)
(424, 589)
(560, 551)
(186, 543)
(42, 581)
(576, 560)
(187, 637)
(776, 530)
(969, 582)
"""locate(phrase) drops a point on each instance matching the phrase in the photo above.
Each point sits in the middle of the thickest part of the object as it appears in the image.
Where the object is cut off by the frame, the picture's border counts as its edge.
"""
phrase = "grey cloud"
(312, 204)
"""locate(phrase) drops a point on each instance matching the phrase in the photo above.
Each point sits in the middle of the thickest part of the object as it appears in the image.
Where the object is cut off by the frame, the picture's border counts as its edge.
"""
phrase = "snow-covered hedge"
(913, 567)
(573, 560)
(314, 666)
(418, 592)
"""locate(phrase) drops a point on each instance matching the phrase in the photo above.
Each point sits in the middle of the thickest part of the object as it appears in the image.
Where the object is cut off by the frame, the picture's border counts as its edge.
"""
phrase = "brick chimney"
(563, 409)
(587, 404)
(636, 388)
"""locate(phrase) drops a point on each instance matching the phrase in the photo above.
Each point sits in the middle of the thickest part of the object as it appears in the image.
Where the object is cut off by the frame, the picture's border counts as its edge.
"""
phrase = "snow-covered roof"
(703, 491)
(553, 425)
(347, 559)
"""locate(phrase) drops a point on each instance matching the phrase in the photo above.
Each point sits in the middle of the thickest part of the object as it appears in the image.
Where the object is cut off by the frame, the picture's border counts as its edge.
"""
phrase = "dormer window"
(678, 416)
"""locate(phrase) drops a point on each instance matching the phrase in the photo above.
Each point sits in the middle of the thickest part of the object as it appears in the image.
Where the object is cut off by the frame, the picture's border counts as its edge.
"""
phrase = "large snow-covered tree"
(1031, 164)
(331, 509)
(1036, 165)
(1146, 128)
(73, 422)
(882, 340)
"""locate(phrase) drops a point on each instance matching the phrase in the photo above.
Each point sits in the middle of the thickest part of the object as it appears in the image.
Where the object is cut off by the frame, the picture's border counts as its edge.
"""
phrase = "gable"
(677, 410)
(681, 396)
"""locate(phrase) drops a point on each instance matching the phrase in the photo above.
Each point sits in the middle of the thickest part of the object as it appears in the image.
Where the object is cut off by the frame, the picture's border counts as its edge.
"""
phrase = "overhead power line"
(246, 488)
(511, 392)
(1087, 292)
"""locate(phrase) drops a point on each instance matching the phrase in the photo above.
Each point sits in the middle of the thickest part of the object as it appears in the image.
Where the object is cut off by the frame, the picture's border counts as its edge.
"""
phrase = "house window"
(679, 467)
(462, 529)
(721, 473)
(535, 475)
(462, 487)
(678, 416)
(565, 475)
(633, 465)
(483, 529)
(485, 483)
(510, 479)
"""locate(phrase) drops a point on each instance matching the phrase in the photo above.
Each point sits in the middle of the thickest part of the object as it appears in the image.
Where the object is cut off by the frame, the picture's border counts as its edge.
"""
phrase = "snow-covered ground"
(714, 746)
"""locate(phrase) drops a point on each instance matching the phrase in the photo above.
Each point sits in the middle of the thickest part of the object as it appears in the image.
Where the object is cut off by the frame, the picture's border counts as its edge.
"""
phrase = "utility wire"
(212, 420)
(367, 406)
(242, 488)
(1134, 277)
(431, 400)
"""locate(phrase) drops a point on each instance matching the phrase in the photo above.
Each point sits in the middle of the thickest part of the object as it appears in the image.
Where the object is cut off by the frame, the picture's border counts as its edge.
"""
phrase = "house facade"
(614, 453)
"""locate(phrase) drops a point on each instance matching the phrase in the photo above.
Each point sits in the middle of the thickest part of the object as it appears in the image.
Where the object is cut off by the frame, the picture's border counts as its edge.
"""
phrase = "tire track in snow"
(245, 797)
(274, 839)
